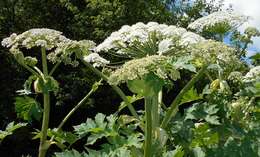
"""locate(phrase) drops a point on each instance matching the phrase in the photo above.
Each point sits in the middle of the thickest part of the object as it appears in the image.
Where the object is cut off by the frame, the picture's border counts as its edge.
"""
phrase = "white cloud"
(249, 8)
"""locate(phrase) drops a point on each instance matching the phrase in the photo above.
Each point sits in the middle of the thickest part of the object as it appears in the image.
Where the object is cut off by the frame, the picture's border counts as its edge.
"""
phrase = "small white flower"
(221, 17)
(129, 36)
(164, 46)
(96, 59)
(252, 75)
(41, 43)
(62, 48)
(190, 38)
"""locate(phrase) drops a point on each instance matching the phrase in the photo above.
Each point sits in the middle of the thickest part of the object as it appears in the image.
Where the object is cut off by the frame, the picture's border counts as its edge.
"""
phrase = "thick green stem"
(45, 122)
(116, 88)
(46, 112)
(155, 112)
(175, 104)
(44, 62)
(148, 127)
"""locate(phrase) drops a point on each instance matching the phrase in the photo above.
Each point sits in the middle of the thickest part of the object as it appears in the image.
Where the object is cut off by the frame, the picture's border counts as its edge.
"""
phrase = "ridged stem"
(148, 127)
(46, 110)
(116, 88)
(175, 104)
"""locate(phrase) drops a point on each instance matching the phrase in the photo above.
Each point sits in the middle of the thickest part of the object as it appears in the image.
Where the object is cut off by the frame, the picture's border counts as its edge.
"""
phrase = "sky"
(249, 8)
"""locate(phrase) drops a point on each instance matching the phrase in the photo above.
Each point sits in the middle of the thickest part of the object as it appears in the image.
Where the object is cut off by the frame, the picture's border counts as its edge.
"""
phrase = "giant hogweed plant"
(156, 58)
(56, 48)
(156, 54)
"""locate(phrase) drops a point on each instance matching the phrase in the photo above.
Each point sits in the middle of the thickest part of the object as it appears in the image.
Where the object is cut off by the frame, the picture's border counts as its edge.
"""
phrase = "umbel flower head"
(37, 37)
(96, 59)
(60, 49)
(147, 39)
(253, 75)
(65, 50)
(213, 52)
(139, 68)
(221, 20)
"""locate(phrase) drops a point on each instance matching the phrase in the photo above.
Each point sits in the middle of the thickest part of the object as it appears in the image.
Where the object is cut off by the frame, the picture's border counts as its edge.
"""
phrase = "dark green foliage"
(187, 11)
(255, 59)
(90, 19)
(191, 95)
(120, 133)
(148, 86)
(10, 128)
(28, 109)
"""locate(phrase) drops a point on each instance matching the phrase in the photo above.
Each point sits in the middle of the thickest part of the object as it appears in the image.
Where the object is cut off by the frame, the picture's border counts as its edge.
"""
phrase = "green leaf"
(183, 63)
(203, 111)
(71, 153)
(97, 128)
(203, 136)
(47, 85)
(178, 152)
(198, 152)
(28, 108)
(119, 132)
(27, 86)
(62, 136)
(191, 95)
(148, 86)
(10, 128)
(131, 99)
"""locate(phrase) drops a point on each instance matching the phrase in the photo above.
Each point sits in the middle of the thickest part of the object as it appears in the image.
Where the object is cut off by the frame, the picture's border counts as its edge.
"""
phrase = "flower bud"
(37, 86)
(31, 61)
(215, 85)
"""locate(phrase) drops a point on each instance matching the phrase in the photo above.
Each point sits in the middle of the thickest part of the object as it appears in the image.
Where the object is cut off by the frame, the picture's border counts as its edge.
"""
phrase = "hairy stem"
(148, 127)
(44, 62)
(31, 70)
(155, 111)
(54, 68)
(46, 112)
(116, 88)
(82, 101)
(175, 104)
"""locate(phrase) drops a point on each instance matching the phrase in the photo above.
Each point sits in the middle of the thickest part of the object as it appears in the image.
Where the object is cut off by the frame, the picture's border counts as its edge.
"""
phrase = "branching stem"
(175, 104)
(116, 88)
(148, 127)
(46, 111)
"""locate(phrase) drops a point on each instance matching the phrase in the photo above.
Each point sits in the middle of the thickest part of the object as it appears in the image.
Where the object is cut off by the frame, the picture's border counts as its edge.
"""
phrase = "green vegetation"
(137, 81)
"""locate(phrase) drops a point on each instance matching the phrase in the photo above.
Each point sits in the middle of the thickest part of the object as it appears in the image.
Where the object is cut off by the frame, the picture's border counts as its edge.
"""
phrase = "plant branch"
(155, 111)
(31, 70)
(148, 127)
(44, 62)
(46, 112)
(54, 68)
(116, 88)
(82, 101)
(175, 104)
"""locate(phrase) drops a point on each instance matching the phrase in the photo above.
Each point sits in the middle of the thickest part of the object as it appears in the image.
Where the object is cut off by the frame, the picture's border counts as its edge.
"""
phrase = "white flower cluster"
(165, 35)
(139, 68)
(230, 18)
(253, 75)
(38, 37)
(63, 52)
(60, 48)
(213, 52)
(96, 59)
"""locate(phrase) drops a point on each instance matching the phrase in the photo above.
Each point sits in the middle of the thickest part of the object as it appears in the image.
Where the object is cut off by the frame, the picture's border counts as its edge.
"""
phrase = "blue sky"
(249, 8)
